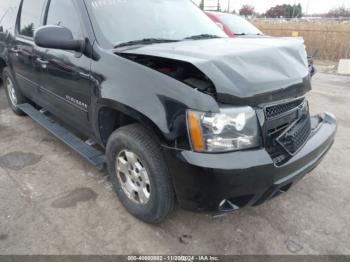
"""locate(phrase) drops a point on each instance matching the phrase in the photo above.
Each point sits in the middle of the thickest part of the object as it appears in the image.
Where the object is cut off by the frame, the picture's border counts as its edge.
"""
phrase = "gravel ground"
(53, 202)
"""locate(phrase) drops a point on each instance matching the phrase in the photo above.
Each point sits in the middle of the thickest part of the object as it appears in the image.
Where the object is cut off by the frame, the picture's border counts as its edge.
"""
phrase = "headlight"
(231, 129)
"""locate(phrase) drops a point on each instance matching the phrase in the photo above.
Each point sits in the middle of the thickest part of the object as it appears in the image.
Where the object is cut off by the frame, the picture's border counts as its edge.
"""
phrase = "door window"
(30, 16)
(63, 13)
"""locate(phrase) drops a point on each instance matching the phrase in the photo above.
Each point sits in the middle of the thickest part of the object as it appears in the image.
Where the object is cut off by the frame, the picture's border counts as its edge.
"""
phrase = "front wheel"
(13, 94)
(139, 174)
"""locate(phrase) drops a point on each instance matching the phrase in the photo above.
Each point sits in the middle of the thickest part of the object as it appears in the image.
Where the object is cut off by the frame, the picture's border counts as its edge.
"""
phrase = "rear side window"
(30, 16)
(63, 13)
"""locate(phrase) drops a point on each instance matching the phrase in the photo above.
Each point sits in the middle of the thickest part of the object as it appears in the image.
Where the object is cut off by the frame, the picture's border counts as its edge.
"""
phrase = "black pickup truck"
(177, 111)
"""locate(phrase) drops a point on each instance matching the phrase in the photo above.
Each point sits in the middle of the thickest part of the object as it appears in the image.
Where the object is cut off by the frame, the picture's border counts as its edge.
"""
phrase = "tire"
(143, 144)
(10, 84)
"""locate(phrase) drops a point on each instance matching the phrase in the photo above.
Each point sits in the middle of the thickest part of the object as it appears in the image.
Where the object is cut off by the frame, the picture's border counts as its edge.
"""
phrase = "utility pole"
(201, 5)
(218, 6)
(228, 5)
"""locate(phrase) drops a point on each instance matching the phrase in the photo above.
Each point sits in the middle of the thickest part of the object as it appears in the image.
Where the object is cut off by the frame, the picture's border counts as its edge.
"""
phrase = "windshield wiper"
(146, 41)
(202, 36)
(248, 34)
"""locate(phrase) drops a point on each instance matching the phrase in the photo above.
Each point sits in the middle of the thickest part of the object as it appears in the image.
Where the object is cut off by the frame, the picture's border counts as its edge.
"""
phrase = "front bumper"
(225, 182)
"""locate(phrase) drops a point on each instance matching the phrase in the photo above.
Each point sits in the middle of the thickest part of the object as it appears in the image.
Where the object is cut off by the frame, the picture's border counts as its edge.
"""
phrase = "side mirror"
(57, 37)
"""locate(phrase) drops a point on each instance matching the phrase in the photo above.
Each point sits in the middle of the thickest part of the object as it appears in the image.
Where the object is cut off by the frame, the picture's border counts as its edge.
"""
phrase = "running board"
(94, 156)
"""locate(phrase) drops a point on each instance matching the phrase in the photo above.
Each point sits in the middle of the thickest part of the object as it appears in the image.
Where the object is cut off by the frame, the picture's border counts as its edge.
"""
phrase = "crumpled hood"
(242, 67)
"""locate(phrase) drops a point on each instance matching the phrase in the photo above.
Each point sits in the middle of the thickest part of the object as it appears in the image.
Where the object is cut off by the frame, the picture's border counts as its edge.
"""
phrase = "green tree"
(286, 11)
(28, 30)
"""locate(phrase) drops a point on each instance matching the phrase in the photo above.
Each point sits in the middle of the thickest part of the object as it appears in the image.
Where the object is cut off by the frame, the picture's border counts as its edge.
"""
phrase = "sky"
(4, 4)
(309, 6)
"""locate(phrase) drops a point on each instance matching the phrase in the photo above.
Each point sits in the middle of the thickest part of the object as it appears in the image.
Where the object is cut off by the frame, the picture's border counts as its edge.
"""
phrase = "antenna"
(8, 9)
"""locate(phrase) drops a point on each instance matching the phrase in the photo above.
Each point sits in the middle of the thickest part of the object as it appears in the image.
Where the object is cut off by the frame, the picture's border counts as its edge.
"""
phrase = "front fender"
(145, 93)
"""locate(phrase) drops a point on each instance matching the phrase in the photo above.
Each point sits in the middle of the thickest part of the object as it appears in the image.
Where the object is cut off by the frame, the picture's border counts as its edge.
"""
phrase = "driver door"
(65, 75)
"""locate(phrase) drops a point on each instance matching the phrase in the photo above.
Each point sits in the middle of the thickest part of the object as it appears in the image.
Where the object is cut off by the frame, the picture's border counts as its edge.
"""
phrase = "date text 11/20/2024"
(173, 258)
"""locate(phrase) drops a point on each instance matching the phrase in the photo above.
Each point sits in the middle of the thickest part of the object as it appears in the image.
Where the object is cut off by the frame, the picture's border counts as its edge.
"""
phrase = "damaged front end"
(270, 75)
(225, 166)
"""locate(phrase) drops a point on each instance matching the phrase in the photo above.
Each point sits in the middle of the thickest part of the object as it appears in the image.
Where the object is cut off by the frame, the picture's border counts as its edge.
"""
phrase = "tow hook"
(225, 207)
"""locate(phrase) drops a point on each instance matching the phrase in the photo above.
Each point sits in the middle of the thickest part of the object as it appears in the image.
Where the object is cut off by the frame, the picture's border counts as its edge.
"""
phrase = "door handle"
(15, 51)
(42, 62)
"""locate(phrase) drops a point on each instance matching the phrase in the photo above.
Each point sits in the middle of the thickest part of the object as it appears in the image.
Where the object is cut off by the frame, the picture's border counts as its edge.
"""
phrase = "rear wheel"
(13, 94)
(139, 173)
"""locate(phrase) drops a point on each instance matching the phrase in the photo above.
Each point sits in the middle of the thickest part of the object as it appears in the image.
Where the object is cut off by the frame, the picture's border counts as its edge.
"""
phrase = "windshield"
(238, 25)
(122, 21)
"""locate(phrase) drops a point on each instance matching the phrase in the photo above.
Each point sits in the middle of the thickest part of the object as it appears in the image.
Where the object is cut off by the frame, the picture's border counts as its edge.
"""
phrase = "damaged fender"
(131, 84)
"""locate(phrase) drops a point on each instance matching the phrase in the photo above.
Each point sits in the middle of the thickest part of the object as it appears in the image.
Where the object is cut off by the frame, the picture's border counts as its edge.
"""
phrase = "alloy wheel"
(11, 92)
(133, 177)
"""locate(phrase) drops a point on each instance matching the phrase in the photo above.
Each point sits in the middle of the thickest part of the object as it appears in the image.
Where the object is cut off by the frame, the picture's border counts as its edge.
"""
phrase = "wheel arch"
(2, 66)
(121, 115)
